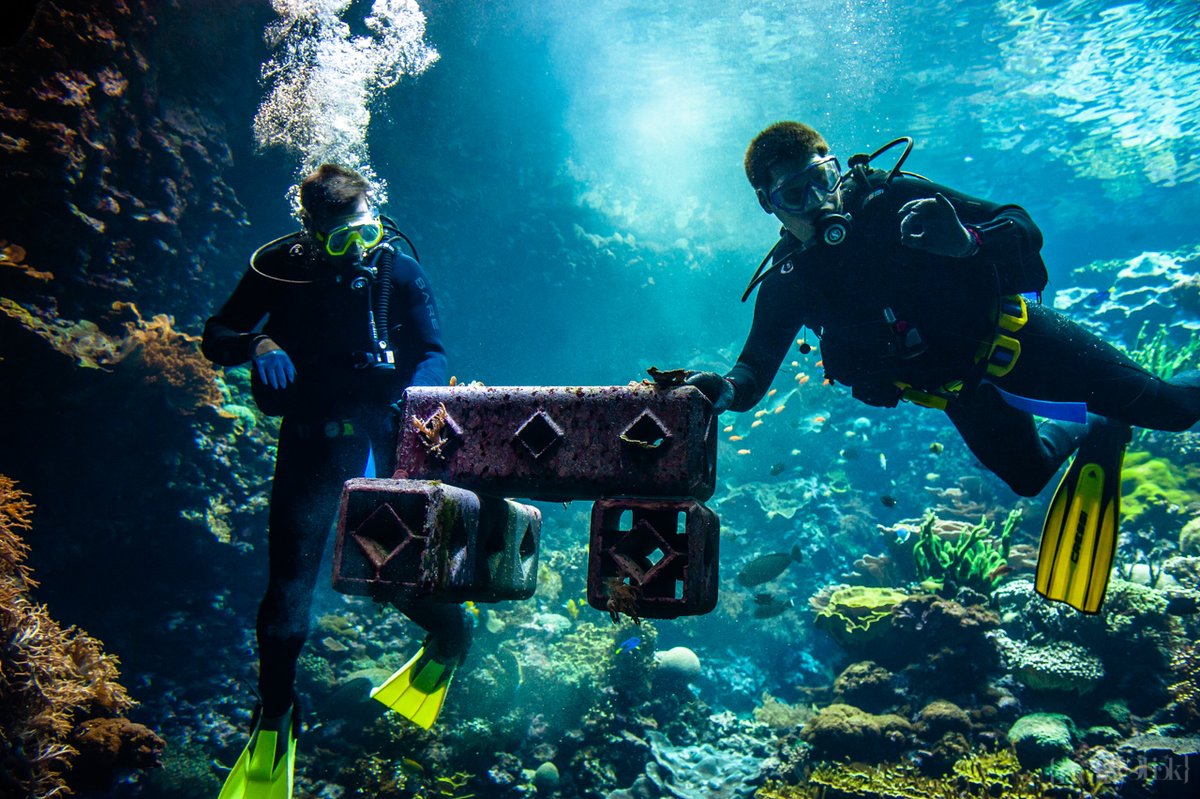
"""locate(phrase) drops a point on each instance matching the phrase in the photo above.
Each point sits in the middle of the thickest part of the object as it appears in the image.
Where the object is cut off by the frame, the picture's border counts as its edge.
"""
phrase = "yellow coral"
(1149, 481)
(980, 774)
(854, 614)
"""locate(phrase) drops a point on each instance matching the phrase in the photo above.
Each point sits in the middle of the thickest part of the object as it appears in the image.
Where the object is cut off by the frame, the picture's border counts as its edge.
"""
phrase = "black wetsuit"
(335, 413)
(865, 296)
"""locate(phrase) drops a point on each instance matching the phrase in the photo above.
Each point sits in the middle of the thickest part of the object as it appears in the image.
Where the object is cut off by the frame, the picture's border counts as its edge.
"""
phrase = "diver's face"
(321, 227)
(802, 225)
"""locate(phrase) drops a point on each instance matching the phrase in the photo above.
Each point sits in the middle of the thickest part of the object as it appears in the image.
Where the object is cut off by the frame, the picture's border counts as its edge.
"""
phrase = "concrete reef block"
(427, 539)
(653, 558)
(560, 443)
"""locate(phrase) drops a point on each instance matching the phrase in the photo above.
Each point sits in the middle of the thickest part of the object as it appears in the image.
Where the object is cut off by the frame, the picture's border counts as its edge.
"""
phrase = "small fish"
(903, 534)
(889, 501)
(765, 568)
(472, 608)
(937, 447)
(767, 606)
(780, 408)
(1097, 298)
(999, 571)
(795, 364)
(883, 461)
(802, 378)
(771, 393)
(819, 420)
(743, 452)
(411, 766)
(760, 414)
(756, 423)
(777, 468)
(728, 429)
(629, 644)
(735, 438)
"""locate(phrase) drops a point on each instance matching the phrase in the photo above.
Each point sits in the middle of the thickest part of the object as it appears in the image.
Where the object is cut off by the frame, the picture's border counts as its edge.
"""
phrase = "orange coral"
(13, 257)
(171, 359)
(154, 351)
(51, 679)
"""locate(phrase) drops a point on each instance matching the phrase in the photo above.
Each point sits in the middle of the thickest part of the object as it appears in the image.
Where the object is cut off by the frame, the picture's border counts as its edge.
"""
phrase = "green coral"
(1040, 739)
(984, 774)
(1162, 356)
(1148, 481)
(856, 614)
(844, 731)
(973, 559)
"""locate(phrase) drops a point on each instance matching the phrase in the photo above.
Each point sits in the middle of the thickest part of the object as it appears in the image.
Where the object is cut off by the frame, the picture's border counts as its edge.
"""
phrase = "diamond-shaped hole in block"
(538, 434)
(382, 534)
(646, 432)
(528, 543)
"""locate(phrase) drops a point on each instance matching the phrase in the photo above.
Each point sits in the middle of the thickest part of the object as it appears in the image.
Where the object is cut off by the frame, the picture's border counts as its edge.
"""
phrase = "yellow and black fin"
(1079, 538)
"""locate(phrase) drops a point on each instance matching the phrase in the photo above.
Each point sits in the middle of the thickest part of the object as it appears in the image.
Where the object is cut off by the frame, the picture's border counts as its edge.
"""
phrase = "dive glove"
(931, 224)
(275, 368)
(718, 390)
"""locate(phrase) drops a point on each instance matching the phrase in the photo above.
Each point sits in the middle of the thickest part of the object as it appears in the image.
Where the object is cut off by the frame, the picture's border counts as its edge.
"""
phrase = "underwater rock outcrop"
(61, 707)
(1116, 298)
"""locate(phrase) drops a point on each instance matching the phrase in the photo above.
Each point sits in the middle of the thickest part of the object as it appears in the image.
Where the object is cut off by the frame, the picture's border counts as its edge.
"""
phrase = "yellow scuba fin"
(418, 689)
(266, 766)
(1079, 538)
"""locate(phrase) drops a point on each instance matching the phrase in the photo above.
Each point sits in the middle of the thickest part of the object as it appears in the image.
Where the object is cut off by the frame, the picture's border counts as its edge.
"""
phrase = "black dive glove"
(931, 224)
(878, 393)
(715, 388)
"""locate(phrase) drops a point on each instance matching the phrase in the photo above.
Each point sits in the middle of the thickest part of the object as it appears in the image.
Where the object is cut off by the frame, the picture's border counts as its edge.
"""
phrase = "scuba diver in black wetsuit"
(915, 293)
(338, 322)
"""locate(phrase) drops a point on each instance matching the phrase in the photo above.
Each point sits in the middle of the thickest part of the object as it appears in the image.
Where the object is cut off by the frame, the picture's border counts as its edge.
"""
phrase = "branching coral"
(51, 680)
(154, 351)
(972, 558)
(1162, 356)
(435, 432)
(171, 359)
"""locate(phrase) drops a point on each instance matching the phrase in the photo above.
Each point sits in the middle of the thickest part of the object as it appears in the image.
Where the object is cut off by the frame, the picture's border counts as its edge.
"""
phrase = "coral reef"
(970, 558)
(1040, 739)
(855, 615)
(693, 772)
(866, 684)
(60, 702)
(1150, 482)
(844, 731)
(979, 774)
(1059, 666)
(1118, 299)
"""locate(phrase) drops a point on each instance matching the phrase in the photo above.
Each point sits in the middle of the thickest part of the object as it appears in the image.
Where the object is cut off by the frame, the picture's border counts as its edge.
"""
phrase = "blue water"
(572, 176)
